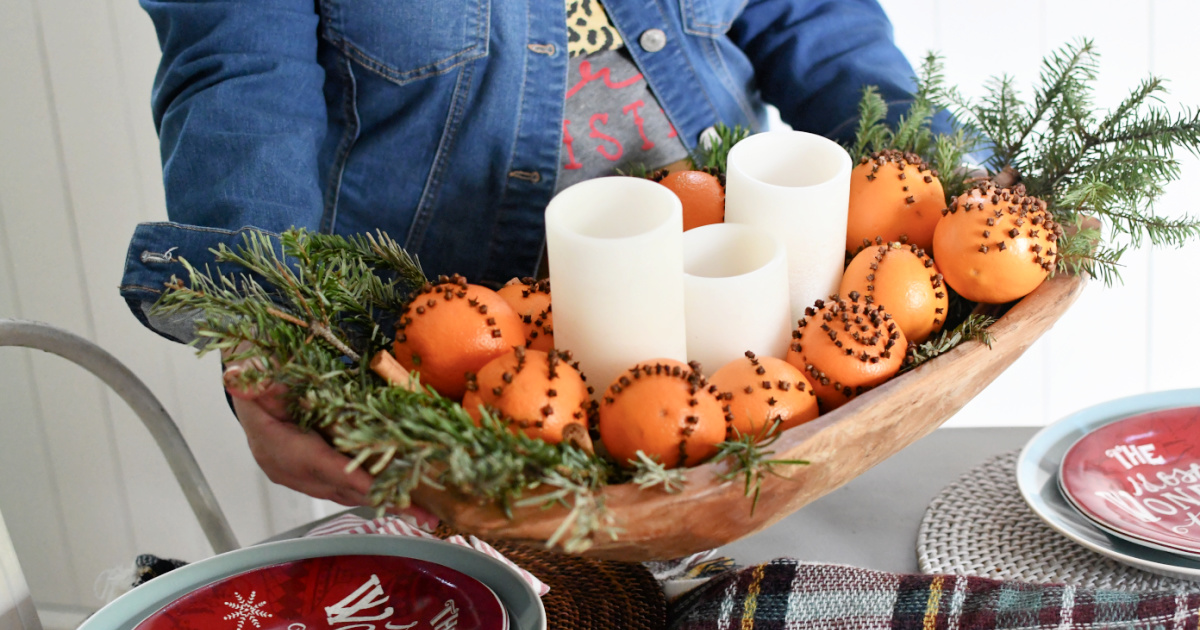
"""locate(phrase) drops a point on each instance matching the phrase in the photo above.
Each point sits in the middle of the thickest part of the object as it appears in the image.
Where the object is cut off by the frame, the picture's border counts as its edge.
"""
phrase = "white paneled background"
(82, 486)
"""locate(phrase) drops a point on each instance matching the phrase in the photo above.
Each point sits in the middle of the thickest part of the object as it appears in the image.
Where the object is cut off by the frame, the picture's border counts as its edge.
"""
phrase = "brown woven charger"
(587, 594)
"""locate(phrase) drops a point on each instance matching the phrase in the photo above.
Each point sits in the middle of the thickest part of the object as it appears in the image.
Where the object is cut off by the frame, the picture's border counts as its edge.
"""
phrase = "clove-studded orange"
(996, 245)
(763, 391)
(846, 348)
(702, 194)
(905, 281)
(665, 409)
(532, 391)
(531, 300)
(894, 196)
(450, 328)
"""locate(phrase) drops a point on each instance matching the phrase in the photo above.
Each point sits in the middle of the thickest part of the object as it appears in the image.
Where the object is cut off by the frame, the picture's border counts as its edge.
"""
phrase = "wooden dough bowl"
(839, 445)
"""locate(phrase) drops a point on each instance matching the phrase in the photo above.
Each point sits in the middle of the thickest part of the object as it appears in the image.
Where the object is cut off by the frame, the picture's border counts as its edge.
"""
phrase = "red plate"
(343, 592)
(1139, 478)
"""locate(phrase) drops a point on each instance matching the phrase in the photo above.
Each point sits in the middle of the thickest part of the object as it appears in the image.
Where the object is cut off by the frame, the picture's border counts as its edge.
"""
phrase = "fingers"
(300, 460)
(267, 394)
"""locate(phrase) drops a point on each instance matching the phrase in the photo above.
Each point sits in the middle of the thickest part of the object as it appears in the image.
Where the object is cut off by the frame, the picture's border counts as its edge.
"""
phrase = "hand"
(298, 459)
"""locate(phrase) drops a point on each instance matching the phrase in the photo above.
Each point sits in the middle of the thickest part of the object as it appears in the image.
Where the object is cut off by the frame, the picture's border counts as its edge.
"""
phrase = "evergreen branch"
(750, 459)
(375, 250)
(913, 129)
(1112, 166)
(974, 328)
(1064, 74)
(1160, 230)
(1079, 252)
(949, 155)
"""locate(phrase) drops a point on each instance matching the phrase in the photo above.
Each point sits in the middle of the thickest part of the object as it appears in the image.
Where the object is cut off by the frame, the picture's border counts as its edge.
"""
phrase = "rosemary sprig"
(322, 291)
(973, 328)
(649, 473)
(749, 458)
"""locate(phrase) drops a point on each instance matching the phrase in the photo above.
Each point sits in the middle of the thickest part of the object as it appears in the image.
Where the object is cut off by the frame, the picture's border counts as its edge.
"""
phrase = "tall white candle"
(736, 291)
(797, 186)
(615, 247)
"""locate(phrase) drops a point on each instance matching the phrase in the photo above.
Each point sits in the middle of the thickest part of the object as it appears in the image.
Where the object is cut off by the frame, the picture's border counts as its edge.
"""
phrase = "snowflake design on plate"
(246, 609)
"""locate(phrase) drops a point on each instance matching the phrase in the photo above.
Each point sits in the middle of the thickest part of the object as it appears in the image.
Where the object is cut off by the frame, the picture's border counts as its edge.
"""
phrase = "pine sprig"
(945, 153)
(913, 131)
(1083, 253)
(873, 133)
(1111, 165)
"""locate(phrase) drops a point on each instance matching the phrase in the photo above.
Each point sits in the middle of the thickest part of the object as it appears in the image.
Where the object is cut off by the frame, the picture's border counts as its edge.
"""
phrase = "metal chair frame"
(106, 367)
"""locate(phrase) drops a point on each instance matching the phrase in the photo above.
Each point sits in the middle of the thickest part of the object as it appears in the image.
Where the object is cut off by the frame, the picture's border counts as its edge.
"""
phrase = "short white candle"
(615, 247)
(736, 291)
(795, 185)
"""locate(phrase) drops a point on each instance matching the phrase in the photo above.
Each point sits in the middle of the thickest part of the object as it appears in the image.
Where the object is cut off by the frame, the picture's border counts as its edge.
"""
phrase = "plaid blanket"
(786, 594)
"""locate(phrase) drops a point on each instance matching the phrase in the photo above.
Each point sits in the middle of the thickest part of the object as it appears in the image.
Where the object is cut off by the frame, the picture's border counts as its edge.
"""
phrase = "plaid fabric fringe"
(785, 594)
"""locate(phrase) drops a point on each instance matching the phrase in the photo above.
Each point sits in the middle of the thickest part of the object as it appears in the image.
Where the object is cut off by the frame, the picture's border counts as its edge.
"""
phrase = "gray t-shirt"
(612, 121)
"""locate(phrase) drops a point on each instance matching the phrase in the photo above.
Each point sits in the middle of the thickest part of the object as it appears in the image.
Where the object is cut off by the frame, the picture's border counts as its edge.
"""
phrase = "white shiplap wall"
(82, 486)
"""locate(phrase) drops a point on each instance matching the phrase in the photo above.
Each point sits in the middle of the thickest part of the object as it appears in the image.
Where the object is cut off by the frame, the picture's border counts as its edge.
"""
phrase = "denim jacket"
(440, 121)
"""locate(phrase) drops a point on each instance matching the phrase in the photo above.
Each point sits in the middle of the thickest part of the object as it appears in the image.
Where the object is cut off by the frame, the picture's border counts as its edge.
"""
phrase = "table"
(872, 521)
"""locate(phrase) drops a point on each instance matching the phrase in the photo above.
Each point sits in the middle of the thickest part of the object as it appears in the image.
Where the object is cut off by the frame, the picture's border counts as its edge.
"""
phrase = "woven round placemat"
(980, 526)
(587, 594)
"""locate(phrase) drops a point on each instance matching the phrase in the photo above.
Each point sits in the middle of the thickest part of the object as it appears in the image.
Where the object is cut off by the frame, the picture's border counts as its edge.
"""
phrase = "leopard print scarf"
(589, 29)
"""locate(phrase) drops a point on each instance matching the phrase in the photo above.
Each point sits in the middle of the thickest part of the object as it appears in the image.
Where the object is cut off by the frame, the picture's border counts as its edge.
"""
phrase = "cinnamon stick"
(385, 365)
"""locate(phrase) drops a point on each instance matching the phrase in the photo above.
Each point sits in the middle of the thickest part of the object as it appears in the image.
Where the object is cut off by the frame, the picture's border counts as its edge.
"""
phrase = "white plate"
(524, 608)
(1037, 480)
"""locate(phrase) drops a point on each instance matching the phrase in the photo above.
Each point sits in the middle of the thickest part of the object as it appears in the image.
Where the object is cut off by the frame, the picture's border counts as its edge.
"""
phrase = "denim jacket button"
(653, 40)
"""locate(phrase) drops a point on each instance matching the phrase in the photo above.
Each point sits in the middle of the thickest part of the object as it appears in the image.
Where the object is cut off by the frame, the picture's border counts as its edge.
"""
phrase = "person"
(449, 124)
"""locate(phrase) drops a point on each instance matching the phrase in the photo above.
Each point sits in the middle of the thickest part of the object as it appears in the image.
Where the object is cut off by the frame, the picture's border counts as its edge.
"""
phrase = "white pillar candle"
(795, 185)
(736, 290)
(615, 247)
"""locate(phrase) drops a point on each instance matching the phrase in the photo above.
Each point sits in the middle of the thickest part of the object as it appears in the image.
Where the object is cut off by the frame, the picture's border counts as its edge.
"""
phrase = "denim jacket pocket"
(407, 40)
(711, 18)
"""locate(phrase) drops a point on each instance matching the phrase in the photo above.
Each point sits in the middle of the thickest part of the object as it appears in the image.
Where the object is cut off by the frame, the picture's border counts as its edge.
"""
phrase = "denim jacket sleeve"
(225, 168)
(813, 57)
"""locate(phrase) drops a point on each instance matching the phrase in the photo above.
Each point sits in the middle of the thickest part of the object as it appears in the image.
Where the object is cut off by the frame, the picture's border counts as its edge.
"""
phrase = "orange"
(894, 196)
(702, 194)
(905, 282)
(763, 390)
(666, 410)
(533, 391)
(451, 328)
(996, 245)
(846, 348)
(531, 300)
